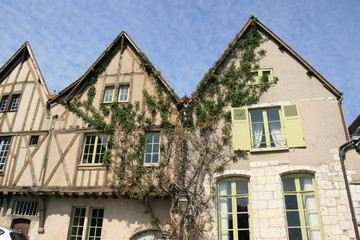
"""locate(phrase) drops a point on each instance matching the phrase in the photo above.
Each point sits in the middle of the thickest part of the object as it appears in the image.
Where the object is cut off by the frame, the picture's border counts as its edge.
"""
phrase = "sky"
(182, 38)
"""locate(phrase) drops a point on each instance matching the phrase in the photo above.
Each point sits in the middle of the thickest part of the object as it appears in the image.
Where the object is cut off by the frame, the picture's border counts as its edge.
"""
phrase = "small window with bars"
(25, 208)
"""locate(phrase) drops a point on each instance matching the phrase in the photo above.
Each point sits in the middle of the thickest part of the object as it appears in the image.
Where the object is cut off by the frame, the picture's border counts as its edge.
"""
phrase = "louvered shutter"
(293, 127)
(241, 137)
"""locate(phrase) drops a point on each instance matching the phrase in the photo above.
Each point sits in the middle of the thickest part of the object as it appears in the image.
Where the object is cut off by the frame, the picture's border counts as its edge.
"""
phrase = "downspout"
(342, 152)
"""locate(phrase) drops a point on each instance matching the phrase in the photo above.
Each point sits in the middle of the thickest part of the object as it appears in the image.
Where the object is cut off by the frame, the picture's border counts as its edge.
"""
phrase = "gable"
(274, 46)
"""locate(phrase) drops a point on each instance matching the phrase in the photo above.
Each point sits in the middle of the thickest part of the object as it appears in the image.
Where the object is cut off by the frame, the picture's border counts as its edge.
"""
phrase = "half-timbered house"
(59, 179)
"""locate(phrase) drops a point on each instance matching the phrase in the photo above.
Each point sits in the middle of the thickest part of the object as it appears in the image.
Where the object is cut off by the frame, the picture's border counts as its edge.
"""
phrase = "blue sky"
(182, 38)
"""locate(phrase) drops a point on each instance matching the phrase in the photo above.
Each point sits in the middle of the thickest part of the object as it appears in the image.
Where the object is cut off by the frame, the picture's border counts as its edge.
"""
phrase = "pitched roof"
(21, 54)
(282, 45)
(118, 41)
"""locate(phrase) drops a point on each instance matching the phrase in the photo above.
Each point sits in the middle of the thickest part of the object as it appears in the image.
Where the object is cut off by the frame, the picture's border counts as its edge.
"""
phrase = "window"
(262, 76)
(302, 208)
(94, 223)
(124, 93)
(94, 149)
(234, 209)
(109, 94)
(267, 128)
(14, 102)
(25, 208)
(34, 140)
(5, 105)
(4, 148)
(152, 148)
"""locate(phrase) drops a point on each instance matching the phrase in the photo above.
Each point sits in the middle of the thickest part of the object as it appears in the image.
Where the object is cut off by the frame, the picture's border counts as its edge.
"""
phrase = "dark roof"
(354, 125)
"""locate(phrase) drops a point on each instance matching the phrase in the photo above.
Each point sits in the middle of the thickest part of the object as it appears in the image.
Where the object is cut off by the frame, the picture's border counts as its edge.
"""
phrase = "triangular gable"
(22, 54)
(282, 45)
(119, 42)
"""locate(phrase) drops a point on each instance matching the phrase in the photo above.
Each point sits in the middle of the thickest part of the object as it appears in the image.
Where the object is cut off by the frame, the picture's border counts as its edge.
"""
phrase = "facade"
(57, 181)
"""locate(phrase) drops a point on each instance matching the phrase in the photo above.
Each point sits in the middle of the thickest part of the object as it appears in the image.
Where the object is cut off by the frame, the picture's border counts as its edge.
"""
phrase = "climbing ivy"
(193, 146)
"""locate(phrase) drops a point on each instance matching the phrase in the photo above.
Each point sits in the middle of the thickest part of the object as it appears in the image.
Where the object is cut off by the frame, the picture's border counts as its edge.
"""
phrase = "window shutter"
(293, 127)
(240, 129)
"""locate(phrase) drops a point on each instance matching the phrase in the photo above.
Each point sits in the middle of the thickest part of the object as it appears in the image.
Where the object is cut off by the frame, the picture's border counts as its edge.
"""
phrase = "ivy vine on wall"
(195, 134)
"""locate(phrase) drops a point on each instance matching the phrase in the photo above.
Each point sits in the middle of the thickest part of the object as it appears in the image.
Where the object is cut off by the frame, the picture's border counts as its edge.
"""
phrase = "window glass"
(108, 94)
(14, 102)
(94, 149)
(124, 93)
(234, 213)
(152, 148)
(34, 140)
(3, 103)
(76, 228)
(4, 148)
(302, 212)
(266, 128)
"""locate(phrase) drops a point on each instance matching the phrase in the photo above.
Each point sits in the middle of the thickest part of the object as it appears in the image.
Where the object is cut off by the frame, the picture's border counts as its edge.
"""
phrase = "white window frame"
(125, 93)
(109, 92)
(152, 149)
(5, 142)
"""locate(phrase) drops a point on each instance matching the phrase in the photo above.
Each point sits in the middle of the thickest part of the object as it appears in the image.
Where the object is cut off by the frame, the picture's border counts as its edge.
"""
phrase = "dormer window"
(12, 105)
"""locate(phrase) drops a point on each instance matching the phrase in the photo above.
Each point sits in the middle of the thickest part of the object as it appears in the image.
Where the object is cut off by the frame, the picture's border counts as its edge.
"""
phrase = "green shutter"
(240, 129)
(293, 127)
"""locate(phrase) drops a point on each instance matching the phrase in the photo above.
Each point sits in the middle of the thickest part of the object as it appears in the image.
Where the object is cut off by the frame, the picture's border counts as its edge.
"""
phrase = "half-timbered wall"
(27, 125)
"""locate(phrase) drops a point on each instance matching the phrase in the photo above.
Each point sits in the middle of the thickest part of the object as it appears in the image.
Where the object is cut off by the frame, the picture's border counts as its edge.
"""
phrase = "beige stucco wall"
(122, 217)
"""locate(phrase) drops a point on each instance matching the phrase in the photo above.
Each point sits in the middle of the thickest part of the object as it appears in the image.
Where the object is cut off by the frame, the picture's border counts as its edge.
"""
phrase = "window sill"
(260, 150)
(91, 167)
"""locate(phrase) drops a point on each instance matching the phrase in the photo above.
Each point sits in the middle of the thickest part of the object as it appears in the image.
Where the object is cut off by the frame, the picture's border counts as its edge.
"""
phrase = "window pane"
(148, 158)
(243, 220)
(244, 235)
(94, 149)
(273, 114)
(291, 202)
(256, 116)
(155, 158)
(225, 205)
(225, 188)
(289, 184)
(266, 76)
(306, 184)
(242, 204)
(227, 235)
(241, 187)
(309, 201)
(295, 234)
(314, 234)
(311, 218)
(226, 221)
(293, 218)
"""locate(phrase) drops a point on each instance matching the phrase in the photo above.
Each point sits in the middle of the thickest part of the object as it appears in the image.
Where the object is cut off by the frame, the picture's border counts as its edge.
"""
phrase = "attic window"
(124, 93)
(12, 105)
(109, 94)
(262, 76)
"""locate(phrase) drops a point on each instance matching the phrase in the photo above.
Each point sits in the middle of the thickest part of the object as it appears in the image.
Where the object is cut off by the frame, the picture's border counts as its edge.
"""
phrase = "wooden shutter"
(241, 137)
(293, 128)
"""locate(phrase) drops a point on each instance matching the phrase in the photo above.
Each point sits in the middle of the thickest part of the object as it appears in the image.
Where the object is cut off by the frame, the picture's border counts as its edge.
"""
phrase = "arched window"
(302, 207)
(234, 209)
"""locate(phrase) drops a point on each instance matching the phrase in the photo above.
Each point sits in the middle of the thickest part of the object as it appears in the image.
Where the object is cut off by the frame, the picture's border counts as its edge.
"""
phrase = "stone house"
(61, 182)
